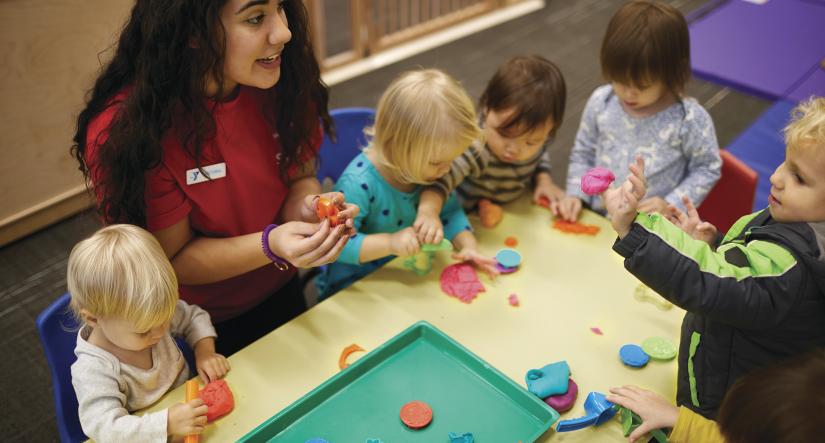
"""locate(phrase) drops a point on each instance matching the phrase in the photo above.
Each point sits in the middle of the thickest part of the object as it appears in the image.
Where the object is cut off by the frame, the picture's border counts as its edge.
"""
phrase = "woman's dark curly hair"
(166, 52)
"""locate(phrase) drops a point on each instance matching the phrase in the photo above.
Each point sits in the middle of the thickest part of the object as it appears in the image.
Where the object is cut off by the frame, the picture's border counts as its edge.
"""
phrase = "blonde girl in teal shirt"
(424, 121)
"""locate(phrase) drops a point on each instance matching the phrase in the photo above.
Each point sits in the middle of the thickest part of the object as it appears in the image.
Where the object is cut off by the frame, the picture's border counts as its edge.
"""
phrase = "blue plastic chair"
(58, 333)
(349, 131)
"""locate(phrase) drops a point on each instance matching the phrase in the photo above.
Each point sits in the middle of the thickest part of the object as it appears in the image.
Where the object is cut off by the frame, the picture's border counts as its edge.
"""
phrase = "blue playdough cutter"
(598, 411)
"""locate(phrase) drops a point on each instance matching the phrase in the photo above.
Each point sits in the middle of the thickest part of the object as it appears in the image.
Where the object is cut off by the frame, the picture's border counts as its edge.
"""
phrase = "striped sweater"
(478, 174)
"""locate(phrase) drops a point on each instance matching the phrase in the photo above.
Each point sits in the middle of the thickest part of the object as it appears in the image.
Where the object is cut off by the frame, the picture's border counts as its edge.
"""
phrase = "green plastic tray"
(421, 363)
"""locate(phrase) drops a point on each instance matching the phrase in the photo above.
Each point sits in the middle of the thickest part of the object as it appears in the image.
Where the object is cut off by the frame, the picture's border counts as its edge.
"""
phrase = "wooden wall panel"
(51, 51)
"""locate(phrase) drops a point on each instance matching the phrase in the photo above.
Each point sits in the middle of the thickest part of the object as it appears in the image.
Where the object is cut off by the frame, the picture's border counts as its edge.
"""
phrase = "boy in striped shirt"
(522, 108)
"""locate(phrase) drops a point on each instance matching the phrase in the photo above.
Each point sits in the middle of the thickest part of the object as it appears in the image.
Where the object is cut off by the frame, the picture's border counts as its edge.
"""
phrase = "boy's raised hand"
(655, 411)
(622, 203)
(186, 418)
(690, 222)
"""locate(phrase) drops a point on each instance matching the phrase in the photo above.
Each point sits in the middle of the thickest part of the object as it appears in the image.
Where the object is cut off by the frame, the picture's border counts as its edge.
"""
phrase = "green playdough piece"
(659, 348)
(631, 421)
(445, 245)
(411, 263)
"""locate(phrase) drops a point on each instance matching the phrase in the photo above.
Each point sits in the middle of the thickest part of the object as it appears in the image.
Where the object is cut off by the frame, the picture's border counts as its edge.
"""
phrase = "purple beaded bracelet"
(279, 263)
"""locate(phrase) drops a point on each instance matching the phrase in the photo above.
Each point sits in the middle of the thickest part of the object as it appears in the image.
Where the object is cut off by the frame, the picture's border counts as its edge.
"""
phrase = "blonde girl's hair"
(807, 126)
(121, 271)
(420, 113)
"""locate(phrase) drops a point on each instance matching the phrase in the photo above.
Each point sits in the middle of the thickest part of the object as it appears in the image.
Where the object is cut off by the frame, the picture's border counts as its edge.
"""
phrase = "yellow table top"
(566, 285)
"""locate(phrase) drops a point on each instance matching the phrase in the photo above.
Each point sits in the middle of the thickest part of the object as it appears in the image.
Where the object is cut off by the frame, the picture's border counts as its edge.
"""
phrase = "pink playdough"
(564, 402)
(461, 281)
(513, 299)
(597, 180)
(597, 331)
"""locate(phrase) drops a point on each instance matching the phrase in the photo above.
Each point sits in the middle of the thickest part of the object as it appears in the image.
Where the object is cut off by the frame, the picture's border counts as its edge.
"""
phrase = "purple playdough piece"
(564, 402)
(504, 269)
(597, 180)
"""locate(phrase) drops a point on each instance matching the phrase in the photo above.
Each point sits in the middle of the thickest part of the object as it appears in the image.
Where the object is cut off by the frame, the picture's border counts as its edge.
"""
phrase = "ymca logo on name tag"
(214, 172)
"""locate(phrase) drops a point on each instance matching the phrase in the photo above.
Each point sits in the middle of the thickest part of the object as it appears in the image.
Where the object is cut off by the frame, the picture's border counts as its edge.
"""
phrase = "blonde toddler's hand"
(186, 418)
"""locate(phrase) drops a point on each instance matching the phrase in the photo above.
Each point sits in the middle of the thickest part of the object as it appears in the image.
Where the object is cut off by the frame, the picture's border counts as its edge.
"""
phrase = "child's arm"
(193, 323)
(467, 247)
(457, 229)
(655, 411)
(427, 221)
(704, 163)
(690, 222)
(103, 414)
(582, 158)
(363, 248)
(402, 243)
(749, 286)
(658, 413)
(547, 189)
(427, 224)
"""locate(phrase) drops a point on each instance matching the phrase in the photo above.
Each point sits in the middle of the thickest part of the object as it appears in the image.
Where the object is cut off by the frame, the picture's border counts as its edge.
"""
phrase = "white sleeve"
(192, 323)
(102, 410)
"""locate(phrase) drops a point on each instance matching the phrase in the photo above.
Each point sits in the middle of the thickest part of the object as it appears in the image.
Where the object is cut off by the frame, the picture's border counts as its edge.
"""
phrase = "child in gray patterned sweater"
(125, 293)
(645, 56)
(522, 108)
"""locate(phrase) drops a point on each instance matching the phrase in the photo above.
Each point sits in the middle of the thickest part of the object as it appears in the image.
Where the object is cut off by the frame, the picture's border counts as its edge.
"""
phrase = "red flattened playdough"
(461, 281)
(218, 399)
(416, 414)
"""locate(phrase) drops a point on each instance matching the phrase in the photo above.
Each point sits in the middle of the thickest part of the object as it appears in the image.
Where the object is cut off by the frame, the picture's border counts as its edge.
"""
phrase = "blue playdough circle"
(633, 355)
(509, 258)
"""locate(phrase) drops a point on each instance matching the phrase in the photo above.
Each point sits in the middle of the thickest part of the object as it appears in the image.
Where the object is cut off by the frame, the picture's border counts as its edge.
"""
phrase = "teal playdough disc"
(659, 348)
(509, 258)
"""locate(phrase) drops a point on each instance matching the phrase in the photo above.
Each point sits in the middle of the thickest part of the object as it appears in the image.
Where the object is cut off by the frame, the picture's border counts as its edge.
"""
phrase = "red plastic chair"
(733, 195)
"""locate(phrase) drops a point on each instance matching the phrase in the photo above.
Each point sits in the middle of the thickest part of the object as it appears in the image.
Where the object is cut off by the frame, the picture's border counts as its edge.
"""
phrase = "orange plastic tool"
(191, 394)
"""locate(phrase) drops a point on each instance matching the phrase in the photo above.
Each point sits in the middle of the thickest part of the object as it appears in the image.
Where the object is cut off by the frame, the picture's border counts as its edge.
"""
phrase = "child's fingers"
(638, 186)
(195, 403)
(201, 410)
(691, 209)
(195, 429)
(640, 432)
(620, 400)
(203, 375)
(336, 197)
(429, 235)
(349, 212)
(311, 200)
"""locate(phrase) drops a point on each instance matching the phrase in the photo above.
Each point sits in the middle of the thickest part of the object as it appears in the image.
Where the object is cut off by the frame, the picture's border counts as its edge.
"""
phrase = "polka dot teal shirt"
(383, 209)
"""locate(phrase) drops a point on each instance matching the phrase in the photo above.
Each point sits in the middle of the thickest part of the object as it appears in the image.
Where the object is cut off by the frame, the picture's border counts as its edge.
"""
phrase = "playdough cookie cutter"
(598, 411)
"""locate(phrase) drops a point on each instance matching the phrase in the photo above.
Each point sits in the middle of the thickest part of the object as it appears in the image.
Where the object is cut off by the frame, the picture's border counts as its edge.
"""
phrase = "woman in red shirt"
(204, 128)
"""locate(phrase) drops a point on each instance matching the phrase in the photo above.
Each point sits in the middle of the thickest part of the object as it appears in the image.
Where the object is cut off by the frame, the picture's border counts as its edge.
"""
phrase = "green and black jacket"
(758, 298)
